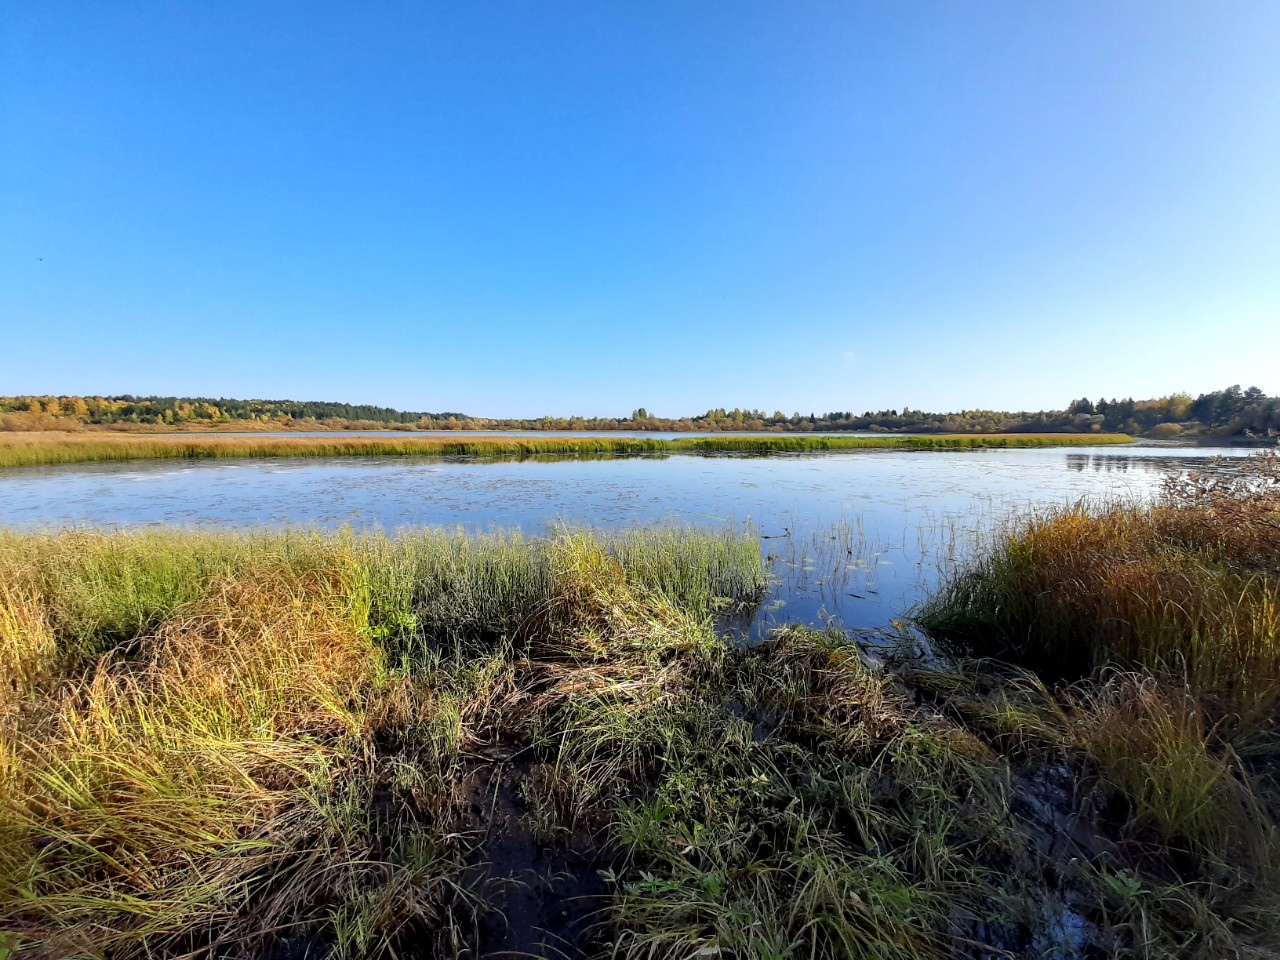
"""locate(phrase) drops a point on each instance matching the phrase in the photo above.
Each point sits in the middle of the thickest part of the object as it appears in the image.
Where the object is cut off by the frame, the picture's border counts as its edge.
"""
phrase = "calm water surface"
(853, 538)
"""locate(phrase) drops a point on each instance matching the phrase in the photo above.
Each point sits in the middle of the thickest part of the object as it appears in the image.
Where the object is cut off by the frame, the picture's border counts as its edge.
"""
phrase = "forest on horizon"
(1229, 412)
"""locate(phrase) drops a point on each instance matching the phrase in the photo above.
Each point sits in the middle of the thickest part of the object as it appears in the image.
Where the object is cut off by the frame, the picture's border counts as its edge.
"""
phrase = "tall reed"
(1076, 589)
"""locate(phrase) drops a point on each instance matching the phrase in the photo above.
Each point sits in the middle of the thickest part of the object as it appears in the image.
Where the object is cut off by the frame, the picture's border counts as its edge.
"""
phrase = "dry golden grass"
(152, 794)
(28, 650)
(1189, 589)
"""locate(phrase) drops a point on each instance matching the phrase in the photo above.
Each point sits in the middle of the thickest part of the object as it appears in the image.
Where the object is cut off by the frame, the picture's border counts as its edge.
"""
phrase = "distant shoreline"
(249, 428)
(45, 449)
(1248, 414)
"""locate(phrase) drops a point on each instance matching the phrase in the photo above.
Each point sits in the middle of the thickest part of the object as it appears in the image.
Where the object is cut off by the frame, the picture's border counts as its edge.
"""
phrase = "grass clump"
(152, 794)
(98, 591)
(216, 742)
(1157, 746)
(1188, 588)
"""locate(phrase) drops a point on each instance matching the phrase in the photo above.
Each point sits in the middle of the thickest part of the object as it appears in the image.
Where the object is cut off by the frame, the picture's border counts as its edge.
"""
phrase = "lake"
(855, 539)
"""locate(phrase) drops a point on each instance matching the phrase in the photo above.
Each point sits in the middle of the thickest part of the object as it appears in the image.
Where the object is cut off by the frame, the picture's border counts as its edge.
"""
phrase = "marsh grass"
(332, 745)
(832, 821)
(1161, 823)
(1156, 633)
(97, 590)
(803, 444)
(37, 449)
(223, 733)
(1158, 746)
(1188, 588)
(249, 745)
(150, 794)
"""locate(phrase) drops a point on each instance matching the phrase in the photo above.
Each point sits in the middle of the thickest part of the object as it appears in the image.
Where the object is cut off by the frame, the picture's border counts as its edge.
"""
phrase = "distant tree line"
(204, 411)
(1229, 412)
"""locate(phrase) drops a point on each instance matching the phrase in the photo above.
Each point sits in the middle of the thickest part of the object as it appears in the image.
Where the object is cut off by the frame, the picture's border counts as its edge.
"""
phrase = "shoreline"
(45, 449)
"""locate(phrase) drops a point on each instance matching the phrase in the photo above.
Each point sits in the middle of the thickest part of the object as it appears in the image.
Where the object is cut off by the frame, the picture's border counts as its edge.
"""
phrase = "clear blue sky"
(525, 208)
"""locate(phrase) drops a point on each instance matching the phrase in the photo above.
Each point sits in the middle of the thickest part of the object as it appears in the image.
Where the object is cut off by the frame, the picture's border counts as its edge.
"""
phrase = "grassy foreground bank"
(1156, 636)
(35, 449)
(304, 745)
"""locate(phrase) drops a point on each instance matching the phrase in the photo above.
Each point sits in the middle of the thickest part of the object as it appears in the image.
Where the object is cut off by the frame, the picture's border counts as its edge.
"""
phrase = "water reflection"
(1162, 464)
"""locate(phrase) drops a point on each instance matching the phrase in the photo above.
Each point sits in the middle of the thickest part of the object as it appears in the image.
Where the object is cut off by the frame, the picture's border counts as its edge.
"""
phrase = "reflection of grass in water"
(18, 449)
(843, 568)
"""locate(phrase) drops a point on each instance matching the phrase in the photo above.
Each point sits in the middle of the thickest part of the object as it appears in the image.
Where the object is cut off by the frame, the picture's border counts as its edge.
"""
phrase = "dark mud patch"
(544, 890)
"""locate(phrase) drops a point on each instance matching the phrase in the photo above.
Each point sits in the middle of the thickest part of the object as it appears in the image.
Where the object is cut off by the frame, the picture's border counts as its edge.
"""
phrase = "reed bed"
(1156, 636)
(1188, 588)
(99, 590)
(803, 444)
(43, 449)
